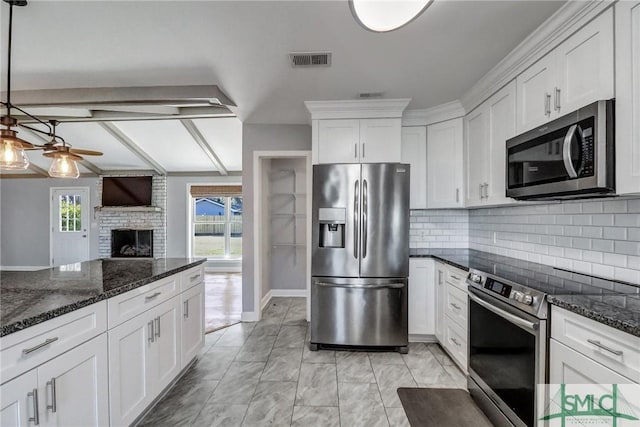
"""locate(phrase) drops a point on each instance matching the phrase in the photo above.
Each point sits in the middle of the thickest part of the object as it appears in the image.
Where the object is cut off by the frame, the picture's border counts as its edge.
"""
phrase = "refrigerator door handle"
(378, 286)
(365, 214)
(356, 216)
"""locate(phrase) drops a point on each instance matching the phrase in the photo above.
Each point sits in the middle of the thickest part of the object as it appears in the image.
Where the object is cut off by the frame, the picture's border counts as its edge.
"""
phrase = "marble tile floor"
(263, 374)
(223, 300)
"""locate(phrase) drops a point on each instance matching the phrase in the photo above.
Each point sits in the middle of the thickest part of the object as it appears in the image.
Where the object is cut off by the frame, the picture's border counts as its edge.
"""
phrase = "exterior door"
(74, 387)
(336, 200)
(384, 249)
(19, 401)
(69, 225)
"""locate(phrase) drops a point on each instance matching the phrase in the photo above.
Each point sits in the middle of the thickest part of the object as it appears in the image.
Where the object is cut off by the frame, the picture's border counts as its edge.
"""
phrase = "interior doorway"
(69, 225)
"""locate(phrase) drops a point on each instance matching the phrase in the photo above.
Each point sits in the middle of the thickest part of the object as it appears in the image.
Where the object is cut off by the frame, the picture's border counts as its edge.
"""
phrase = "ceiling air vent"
(310, 59)
(369, 95)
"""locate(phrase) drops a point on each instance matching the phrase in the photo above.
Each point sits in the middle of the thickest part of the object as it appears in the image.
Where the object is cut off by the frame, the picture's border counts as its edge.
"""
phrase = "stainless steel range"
(507, 347)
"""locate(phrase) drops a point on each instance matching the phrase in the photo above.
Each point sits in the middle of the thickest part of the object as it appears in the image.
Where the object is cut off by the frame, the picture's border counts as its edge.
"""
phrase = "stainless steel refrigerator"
(360, 255)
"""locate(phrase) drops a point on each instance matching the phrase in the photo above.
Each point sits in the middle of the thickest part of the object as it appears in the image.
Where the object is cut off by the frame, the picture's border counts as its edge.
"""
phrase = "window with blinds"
(217, 221)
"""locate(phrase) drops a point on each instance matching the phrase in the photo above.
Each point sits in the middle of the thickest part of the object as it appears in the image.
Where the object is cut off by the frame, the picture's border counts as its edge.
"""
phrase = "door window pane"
(69, 213)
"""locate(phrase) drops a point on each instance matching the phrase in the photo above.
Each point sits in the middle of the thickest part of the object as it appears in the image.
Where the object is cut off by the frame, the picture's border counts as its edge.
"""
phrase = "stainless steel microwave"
(570, 157)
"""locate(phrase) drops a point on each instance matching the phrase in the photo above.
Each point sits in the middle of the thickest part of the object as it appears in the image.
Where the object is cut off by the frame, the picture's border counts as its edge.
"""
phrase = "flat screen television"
(126, 191)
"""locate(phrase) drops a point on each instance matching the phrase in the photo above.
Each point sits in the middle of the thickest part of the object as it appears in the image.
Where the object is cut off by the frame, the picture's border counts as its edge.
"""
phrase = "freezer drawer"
(359, 312)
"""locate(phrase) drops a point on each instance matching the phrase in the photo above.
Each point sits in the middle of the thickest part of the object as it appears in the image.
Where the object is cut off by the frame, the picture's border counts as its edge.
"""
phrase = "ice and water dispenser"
(332, 223)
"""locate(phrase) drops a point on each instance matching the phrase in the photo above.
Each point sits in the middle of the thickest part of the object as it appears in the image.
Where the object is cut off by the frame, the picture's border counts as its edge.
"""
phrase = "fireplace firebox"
(128, 243)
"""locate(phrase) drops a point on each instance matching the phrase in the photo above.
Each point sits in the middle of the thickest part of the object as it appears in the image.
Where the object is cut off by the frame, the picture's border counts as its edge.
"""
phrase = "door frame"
(258, 234)
(51, 222)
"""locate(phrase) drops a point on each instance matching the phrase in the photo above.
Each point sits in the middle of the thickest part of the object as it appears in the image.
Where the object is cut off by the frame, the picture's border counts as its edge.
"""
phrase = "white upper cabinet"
(380, 140)
(445, 165)
(576, 73)
(356, 131)
(477, 149)
(501, 112)
(414, 152)
(339, 141)
(627, 97)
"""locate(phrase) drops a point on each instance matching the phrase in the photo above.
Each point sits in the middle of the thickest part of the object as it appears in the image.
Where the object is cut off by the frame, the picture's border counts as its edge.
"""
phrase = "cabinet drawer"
(456, 343)
(456, 306)
(611, 347)
(33, 346)
(124, 307)
(192, 277)
(456, 277)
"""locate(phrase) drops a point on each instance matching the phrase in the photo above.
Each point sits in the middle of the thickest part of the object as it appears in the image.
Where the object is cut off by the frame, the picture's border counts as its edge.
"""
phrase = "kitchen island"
(97, 342)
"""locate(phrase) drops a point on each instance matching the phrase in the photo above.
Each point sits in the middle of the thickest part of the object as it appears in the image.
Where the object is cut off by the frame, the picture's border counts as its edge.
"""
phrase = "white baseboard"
(265, 300)
(422, 338)
(249, 316)
(23, 267)
(291, 293)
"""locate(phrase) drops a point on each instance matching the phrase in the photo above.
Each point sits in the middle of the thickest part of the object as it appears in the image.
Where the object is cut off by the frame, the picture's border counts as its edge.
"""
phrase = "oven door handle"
(566, 150)
(505, 314)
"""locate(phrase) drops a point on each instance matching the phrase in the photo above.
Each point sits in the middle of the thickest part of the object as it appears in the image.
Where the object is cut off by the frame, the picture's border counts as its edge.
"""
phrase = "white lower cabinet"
(69, 390)
(18, 401)
(144, 357)
(421, 298)
(192, 320)
(451, 312)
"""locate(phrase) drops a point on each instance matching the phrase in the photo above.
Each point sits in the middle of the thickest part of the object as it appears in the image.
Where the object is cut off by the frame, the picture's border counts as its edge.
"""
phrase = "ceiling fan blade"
(85, 152)
(56, 154)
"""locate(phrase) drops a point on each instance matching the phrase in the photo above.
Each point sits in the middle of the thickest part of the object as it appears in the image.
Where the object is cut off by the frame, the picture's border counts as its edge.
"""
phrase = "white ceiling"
(243, 46)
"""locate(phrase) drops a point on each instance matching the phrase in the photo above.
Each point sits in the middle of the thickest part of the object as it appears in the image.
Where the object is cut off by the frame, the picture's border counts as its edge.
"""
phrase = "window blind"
(216, 190)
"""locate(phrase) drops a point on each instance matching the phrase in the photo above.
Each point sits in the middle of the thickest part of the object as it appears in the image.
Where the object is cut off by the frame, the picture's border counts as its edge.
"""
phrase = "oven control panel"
(497, 287)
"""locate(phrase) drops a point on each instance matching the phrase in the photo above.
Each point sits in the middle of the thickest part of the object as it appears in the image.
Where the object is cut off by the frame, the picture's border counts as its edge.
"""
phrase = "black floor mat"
(441, 407)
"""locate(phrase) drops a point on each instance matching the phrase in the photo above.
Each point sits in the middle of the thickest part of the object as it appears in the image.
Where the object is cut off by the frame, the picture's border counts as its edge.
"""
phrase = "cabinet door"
(192, 319)
(445, 165)
(18, 402)
(338, 141)
(164, 363)
(414, 152)
(627, 97)
(421, 297)
(129, 388)
(73, 387)
(534, 87)
(477, 155)
(440, 294)
(501, 112)
(585, 66)
(380, 140)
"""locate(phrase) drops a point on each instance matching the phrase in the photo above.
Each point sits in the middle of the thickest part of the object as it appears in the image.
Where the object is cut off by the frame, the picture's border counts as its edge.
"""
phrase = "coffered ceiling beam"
(84, 162)
(133, 147)
(204, 145)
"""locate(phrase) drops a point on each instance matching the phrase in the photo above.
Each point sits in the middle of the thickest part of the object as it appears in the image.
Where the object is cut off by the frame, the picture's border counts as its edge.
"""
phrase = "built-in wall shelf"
(127, 209)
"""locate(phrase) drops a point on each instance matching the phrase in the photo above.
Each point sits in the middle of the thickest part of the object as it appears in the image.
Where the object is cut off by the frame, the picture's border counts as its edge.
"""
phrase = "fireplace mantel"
(127, 209)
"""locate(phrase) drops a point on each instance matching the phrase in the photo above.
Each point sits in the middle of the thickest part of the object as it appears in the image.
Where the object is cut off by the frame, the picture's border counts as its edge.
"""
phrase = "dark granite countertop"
(610, 302)
(618, 311)
(31, 297)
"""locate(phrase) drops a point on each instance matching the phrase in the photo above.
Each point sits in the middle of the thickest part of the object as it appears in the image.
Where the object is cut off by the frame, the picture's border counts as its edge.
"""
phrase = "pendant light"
(382, 16)
(64, 161)
(12, 155)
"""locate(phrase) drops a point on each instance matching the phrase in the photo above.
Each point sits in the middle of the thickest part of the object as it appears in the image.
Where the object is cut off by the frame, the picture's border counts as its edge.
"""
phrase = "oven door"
(507, 356)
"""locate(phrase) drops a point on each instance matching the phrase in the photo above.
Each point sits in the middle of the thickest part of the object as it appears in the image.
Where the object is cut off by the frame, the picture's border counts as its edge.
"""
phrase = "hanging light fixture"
(382, 16)
(12, 148)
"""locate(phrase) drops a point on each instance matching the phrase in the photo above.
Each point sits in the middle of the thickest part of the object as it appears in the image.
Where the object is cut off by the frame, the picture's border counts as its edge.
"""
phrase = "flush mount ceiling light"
(12, 148)
(382, 16)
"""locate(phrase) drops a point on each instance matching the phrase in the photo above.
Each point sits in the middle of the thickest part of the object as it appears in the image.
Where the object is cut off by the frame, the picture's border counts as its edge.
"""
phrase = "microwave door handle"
(356, 218)
(566, 151)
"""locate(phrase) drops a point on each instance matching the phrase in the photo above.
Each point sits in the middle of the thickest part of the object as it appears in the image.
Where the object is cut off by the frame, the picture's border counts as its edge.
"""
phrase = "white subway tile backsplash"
(445, 228)
(615, 260)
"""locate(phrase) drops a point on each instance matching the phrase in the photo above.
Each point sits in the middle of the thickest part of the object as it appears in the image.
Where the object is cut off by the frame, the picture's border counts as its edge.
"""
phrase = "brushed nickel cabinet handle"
(53, 405)
(455, 277)
(46, 342)
(152, 297)
(455, 342)
(457, 195)
(457, 307)
(194, 277)
(481, 193)
(150, 331)
(363, 155)
(157, 320)
(36, 412)
(355, 151)
(556, 103)
(604, 347)
(547, 104)
(186, 309)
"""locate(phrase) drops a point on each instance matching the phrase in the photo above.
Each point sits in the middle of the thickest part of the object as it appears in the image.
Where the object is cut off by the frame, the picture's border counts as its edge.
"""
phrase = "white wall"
(24, 219)
(258, 138)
